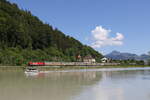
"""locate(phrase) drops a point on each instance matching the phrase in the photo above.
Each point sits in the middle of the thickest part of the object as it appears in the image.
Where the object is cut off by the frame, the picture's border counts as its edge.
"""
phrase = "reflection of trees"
(59, 85)
(54, 86)
(76, 77)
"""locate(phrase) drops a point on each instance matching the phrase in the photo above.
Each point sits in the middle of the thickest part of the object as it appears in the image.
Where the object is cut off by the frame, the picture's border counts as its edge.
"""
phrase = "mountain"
(116, 55)
(144, 57)
(24, 37)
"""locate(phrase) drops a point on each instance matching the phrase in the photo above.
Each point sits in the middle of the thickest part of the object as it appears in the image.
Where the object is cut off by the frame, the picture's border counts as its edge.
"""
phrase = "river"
(90, 84)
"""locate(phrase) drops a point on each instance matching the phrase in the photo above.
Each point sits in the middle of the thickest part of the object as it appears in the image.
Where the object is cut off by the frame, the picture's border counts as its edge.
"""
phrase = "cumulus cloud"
(101, 37)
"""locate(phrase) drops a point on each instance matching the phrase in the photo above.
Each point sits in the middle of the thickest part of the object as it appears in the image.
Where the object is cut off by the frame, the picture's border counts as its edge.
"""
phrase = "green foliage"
(149, 62)
(23, 38)
(129, 62)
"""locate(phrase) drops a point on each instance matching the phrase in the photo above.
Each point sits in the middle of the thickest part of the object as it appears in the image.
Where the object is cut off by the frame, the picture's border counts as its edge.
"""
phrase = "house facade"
(104, 60)
(89, 59)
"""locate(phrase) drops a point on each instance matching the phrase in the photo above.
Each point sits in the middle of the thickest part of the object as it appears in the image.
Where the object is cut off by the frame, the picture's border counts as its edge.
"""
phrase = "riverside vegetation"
(24, 38)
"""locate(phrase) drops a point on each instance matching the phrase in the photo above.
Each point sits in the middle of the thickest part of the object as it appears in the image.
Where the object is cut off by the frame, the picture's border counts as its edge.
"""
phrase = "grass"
(44, 68)
(86, 67)
(14, 68)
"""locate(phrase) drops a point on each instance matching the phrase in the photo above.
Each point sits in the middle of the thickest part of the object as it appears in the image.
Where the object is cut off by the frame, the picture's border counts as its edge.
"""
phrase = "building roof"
(104, 58)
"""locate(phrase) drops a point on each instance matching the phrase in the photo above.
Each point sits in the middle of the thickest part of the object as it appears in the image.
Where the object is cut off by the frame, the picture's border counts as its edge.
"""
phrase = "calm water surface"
(94, 84)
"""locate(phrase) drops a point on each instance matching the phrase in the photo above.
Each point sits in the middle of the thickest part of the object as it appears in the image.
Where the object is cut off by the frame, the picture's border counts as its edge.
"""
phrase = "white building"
(89, 59)
(104, 60)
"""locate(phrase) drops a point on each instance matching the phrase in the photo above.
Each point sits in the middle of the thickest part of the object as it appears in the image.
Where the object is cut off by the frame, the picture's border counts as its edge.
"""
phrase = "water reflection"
(51, 86)
(119, 85)
(76, 85)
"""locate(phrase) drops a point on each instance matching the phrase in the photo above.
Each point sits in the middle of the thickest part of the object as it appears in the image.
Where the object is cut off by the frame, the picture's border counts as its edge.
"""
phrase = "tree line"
(24, 37)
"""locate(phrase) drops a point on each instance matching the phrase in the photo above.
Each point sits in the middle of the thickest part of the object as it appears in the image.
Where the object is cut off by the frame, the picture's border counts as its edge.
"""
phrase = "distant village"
(90, 61)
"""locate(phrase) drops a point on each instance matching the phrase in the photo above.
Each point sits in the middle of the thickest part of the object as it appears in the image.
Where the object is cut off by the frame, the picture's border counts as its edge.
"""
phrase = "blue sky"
(87, 19)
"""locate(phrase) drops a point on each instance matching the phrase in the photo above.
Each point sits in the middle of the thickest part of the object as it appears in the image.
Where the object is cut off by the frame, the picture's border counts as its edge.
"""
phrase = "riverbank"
(87, 67)
(44, 68)
(11, 68)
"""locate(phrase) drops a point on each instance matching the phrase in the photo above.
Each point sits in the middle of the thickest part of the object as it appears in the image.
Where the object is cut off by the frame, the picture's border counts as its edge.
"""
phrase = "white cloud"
(101, 38)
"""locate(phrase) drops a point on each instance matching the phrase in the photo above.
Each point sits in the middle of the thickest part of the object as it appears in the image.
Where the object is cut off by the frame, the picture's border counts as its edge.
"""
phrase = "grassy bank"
(68, 67)
(86, 67)
(11, 68)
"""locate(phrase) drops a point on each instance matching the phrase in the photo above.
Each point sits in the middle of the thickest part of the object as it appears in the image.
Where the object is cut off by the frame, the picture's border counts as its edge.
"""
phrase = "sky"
(105, 25)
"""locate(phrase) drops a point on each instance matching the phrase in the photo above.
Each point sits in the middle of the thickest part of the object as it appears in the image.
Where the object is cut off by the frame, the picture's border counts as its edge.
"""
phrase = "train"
(36, 64)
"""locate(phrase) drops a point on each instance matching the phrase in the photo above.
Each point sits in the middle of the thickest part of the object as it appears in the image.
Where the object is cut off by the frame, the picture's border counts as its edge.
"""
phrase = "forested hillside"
(24, 37)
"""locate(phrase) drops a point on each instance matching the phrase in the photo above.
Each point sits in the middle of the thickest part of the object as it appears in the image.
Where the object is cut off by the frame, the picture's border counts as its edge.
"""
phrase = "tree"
(25, 37)
(148, 62)
(149, 53)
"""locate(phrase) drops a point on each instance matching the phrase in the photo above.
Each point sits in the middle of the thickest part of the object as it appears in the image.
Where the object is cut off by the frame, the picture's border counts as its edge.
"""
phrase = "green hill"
(24, 37)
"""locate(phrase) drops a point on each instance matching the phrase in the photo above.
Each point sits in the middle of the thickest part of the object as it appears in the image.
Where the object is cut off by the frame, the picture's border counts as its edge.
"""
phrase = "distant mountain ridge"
(116, 55)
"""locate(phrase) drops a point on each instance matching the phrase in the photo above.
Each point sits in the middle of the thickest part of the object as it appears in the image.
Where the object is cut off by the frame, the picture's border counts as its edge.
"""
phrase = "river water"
(91, 84)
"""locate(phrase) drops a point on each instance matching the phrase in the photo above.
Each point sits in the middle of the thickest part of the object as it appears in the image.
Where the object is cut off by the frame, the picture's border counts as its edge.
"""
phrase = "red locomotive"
(36, 64)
